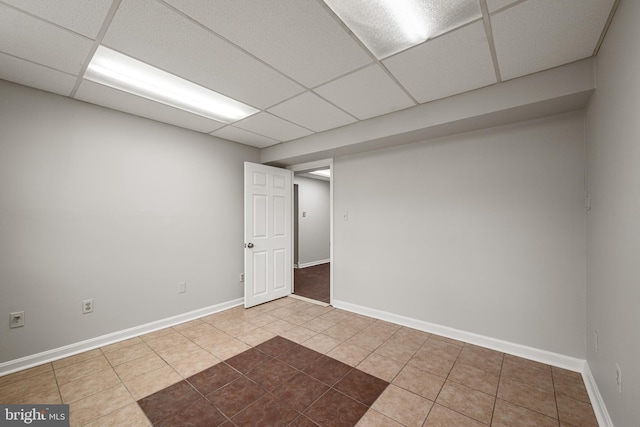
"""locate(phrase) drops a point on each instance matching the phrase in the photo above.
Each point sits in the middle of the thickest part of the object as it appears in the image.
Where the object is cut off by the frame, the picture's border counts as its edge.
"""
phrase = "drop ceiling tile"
(388, 27)
(32, 39)
(366, 93)
(494, 5)
(244, 137)
(29, 74)
(84, 17)
(95, 93)
(456, 62)
(272, 127)
(312, 112)
(540, 34)
(298, 37)
(140, 29)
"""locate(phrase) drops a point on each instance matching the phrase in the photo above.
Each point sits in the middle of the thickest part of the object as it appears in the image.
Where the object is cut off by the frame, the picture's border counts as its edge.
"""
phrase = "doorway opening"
(312, 237)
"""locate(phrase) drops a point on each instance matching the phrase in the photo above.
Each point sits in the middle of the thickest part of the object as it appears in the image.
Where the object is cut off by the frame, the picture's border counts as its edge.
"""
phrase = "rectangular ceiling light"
(390, 26)
(323, 172)
(122, 72)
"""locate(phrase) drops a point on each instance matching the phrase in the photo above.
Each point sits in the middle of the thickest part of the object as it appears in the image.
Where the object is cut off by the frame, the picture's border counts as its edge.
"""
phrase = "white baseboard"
(92, 343)
(600, 409)
(542, 356)
(312, 264)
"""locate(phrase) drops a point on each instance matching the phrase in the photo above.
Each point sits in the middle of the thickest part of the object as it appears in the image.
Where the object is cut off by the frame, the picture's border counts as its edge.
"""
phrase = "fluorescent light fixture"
(113, 69)
(390, 26)
(324, 172)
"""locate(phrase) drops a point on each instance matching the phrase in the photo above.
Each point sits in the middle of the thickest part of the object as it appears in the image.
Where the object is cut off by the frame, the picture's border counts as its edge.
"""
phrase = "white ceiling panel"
(122, 101)
(540, 34)
(312, 112)
(30, 38)
(298, 37)
(242, 136)
(272, 127)
(494, 5)
(84, 17)
(454, 63)
(34, 75)
(366, 93)
(139, 29)
(388, 27)
(294, 60)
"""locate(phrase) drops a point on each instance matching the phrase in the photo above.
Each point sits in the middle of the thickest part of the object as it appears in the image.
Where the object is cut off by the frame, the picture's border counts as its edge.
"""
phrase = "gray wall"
(104, 205)
(482, 232)
(613, 224)
(313, 230)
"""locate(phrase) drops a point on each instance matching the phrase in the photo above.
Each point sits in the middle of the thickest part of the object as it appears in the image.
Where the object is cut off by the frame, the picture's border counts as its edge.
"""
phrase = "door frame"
(303, 167)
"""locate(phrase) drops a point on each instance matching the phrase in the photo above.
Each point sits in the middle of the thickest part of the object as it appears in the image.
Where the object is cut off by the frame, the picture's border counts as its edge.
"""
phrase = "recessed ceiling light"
(390, 26)
(324, 172)
(113, 69)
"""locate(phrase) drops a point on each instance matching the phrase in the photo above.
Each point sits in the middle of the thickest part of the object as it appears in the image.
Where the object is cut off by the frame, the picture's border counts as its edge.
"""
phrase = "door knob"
(248, 245)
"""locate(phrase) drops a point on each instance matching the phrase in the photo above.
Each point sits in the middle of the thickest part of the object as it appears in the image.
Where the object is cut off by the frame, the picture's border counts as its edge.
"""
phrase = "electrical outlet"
(182, 287)
(16, 319)
(595, 341)
(87, 306)
(619, 378)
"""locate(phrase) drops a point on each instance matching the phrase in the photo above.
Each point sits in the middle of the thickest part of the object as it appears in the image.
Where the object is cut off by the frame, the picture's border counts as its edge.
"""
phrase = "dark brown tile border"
(278, 382)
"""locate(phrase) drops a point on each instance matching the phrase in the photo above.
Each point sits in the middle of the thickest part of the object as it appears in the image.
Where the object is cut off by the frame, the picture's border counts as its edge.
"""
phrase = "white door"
(268, 240)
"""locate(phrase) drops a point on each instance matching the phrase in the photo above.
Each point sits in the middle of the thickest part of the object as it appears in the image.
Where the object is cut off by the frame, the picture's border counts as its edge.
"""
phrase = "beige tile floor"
(435, 381)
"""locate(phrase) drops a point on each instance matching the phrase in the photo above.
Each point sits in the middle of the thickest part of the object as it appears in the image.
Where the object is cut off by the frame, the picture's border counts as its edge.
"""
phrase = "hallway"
(313, 282)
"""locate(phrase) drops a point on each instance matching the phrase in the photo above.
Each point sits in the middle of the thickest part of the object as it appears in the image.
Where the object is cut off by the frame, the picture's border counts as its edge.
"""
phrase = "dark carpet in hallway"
(313, 282)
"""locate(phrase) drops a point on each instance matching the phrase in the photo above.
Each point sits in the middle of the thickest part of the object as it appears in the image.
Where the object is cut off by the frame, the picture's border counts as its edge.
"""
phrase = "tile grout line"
(344, 318)
(121, 383)
(493, 411)
(555, 397)
(441, 388)
(55, 377)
